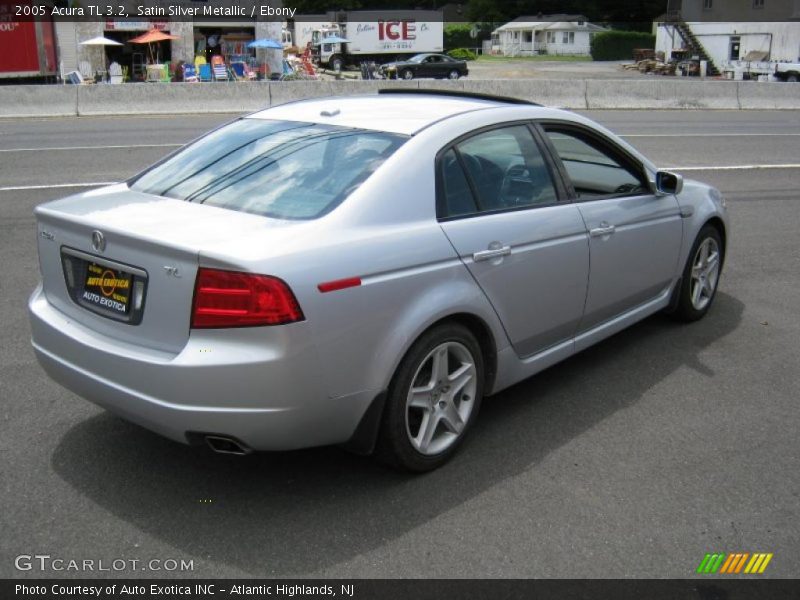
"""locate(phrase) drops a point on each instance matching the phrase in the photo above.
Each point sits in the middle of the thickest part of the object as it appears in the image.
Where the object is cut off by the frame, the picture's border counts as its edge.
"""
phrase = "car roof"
(405, 113)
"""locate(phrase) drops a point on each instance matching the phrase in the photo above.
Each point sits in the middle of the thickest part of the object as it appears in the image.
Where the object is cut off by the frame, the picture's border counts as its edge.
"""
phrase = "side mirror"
(668, 183)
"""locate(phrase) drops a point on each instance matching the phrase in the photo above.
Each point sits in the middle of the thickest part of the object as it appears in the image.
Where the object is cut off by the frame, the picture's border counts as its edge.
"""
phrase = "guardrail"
(192, 98)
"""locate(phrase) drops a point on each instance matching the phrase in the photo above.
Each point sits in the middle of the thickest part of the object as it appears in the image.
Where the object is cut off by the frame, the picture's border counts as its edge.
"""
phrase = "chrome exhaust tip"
(225, 445)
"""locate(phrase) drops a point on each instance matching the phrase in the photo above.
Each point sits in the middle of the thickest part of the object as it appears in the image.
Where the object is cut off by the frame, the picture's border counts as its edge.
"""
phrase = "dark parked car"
(439, 66)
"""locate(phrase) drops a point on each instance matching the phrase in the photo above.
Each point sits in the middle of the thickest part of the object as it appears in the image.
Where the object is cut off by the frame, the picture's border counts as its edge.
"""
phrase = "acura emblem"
(98, 241)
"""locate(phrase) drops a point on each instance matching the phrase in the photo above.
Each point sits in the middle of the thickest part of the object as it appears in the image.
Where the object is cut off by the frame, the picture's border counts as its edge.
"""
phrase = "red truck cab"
(27, 42)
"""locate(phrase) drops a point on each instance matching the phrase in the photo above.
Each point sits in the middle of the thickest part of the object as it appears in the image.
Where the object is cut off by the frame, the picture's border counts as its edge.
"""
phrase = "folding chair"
(242, 71)
(190, 74)
(75, 78)
(249, 72)
(219, 68)
(238, 71)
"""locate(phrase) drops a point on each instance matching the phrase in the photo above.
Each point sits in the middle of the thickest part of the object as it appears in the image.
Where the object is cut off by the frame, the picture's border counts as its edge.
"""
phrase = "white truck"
(756, 65)
(787, 71)
(377, 36)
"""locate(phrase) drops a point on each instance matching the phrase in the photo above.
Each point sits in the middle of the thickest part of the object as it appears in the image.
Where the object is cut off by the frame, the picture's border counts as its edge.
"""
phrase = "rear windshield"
(279, 169)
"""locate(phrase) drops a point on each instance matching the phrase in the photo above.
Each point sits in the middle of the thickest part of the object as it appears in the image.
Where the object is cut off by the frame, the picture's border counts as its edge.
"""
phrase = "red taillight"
(233, 299)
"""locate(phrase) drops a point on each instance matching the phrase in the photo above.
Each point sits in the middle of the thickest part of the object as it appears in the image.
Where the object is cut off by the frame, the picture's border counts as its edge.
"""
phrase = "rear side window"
(279, 169)
(459, 200)
(495, 170)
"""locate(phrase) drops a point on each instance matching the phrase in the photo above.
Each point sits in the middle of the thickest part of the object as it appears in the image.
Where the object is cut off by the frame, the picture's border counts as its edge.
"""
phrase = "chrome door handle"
(604, 229)
(490, 254)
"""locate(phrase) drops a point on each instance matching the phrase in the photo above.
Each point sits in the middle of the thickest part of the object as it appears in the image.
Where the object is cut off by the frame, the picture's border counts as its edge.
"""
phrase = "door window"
(595, 169)
(496, 170)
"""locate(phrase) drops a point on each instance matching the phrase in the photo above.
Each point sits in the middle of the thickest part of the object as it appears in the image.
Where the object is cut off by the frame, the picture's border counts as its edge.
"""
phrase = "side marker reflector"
(339, 284)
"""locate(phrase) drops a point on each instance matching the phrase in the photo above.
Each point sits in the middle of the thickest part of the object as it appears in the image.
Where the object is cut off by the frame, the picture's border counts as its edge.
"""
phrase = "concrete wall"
(664, 92)
(191, 98)
(38, 100)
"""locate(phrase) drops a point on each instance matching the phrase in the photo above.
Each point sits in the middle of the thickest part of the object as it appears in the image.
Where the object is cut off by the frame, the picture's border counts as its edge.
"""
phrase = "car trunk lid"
(124, 264)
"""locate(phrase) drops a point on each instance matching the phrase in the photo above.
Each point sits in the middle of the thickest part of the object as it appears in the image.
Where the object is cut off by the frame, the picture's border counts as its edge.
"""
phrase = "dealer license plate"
(108, 289)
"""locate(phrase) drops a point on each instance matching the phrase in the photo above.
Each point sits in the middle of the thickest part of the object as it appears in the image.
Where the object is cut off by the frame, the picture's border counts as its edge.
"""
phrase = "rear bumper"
(261, 386)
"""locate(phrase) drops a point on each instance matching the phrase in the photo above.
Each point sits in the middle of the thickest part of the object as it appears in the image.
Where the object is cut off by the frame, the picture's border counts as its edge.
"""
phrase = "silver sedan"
(363, 270)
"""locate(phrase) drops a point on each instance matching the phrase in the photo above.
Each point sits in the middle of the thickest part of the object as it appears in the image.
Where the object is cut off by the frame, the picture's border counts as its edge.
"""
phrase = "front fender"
(700, 203)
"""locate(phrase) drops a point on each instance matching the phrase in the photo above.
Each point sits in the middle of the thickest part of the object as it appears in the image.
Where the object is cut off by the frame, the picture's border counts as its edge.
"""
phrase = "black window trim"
(617, 152)
(556, 176)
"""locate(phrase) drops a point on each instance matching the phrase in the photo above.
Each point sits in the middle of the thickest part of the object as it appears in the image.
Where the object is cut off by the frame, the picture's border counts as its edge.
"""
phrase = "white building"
(731, 30)
(545, 34)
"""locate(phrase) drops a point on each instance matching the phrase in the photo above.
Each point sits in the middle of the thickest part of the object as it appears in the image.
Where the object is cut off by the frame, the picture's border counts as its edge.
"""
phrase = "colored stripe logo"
(734, 563)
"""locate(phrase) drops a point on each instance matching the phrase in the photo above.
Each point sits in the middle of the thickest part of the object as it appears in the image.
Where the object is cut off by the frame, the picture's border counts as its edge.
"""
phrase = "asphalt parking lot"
(632, 459)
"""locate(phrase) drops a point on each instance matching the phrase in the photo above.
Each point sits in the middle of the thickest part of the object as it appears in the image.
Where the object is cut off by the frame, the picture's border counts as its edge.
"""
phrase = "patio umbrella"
(151, 37)
(100, 41)
(265, 44)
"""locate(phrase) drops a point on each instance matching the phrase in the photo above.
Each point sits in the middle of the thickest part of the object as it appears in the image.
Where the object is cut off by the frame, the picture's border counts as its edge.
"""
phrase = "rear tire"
(792, 78)
(700, 276)
(433, 400)
(407, 74)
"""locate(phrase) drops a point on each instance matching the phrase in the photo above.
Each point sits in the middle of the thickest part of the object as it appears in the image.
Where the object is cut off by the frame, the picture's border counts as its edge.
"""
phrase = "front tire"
(700, 276)
(433, 400)
(454, 74)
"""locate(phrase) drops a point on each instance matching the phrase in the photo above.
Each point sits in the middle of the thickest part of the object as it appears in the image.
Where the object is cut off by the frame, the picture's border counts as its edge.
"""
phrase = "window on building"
(758, 3)
(568, 38)
(551, 37)
(708, 4)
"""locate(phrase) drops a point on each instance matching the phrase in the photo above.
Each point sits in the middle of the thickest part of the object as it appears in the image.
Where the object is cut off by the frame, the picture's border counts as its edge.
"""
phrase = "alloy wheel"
(705, 273)
(441, 398)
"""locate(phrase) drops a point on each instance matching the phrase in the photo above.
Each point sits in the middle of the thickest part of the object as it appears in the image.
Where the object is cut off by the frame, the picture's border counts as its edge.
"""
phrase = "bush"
(457, 36)
(619, 45)
(462, 54)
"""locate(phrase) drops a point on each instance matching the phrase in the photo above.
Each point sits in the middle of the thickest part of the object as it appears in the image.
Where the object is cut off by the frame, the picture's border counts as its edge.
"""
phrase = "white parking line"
(17, 188)
(735, 167)
(691, 135)
(120, 147)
